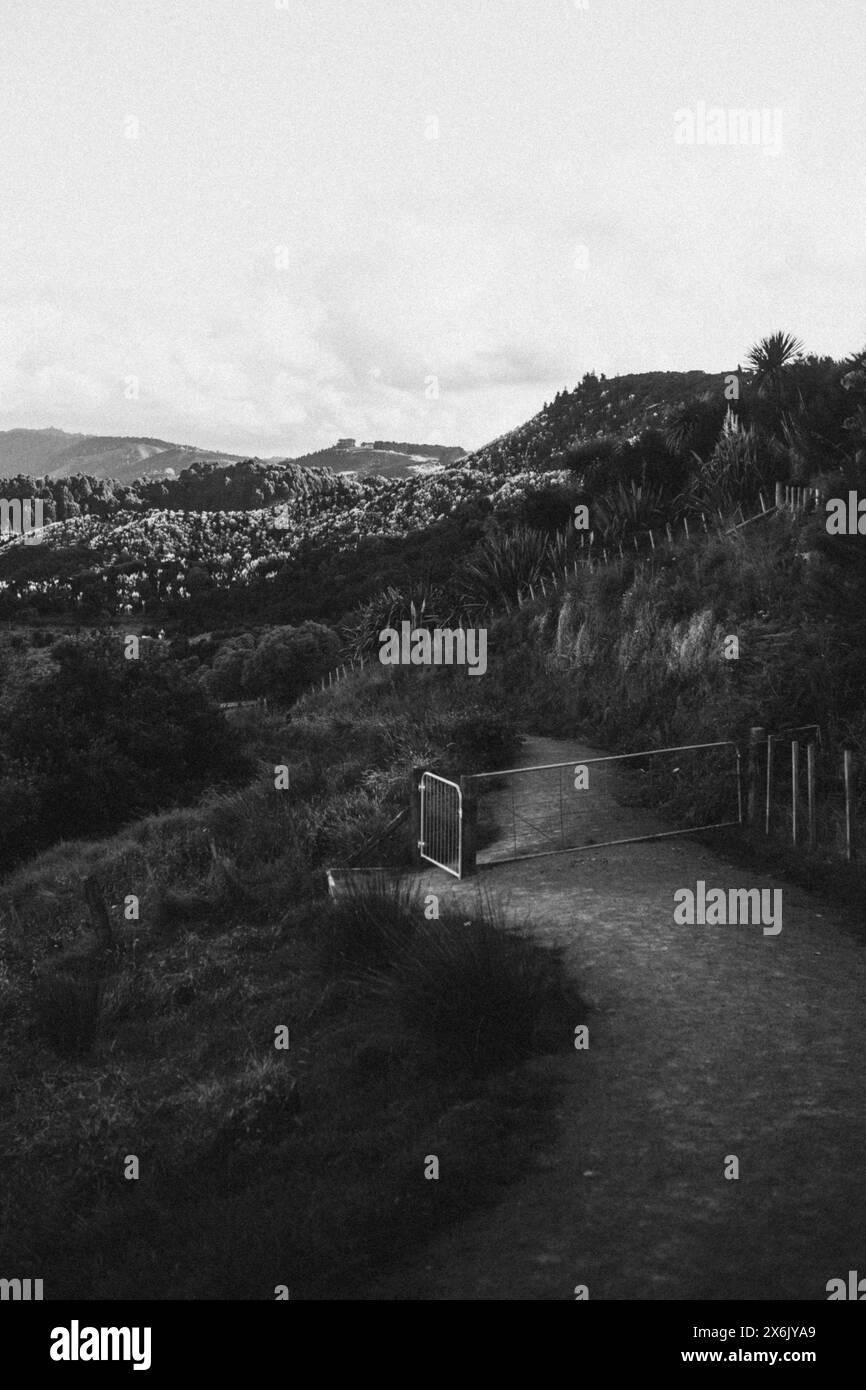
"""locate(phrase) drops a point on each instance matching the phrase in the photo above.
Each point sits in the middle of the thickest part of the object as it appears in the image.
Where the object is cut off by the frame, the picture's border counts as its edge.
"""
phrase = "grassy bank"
(262, 1165)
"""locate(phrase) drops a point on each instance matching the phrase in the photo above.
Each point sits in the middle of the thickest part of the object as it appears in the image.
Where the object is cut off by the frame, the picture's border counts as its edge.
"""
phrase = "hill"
(383, 459)
(54, 453)
(396, 1047)
(291, 542)
(598, 408)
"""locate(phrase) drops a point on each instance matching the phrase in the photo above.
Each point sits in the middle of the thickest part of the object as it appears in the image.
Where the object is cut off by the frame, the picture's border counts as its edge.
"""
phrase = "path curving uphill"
(705, 1042)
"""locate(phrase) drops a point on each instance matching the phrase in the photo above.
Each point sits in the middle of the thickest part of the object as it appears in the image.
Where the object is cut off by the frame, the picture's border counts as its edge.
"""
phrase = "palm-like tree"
(770, 359)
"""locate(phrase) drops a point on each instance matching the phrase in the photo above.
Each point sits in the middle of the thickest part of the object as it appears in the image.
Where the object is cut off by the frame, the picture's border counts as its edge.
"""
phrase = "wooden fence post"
(757, 735)
(810, 791)
(468, 827)
(848, 762)
(795, 789)
(769, 804)
(779, 499)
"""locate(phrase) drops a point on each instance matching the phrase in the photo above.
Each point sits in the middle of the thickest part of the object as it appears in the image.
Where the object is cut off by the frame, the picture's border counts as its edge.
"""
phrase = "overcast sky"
(256, 225)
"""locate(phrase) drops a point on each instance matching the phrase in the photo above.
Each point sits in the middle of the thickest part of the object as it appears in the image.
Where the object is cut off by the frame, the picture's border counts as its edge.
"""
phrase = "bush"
(366, 928)
(289, 659)
(482, 740)
(503, 565)
(476, 995)
(99, 740)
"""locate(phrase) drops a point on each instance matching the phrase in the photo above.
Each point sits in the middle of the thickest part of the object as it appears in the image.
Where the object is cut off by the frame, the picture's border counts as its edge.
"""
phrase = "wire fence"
(607, 800)
(594, 551)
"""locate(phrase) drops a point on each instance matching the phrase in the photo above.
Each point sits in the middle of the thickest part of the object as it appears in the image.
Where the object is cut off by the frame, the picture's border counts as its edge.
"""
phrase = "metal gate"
(526, 812)
(441, 841)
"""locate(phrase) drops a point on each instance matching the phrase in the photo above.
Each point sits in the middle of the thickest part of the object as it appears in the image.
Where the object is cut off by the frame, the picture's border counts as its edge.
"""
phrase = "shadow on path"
(705, 1041)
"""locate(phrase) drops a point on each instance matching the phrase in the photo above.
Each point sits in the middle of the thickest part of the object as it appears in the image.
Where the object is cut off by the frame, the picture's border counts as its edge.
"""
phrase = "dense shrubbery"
(396, 1021)
(235, 936)
(633, 652)
(95, 741)
(279, 665)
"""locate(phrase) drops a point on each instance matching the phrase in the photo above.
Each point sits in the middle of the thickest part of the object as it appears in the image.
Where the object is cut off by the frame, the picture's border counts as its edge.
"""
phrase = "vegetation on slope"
(305, 1166)
(259, 1165)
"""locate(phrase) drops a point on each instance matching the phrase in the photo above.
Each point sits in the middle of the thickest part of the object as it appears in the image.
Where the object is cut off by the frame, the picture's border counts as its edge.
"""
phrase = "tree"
(288, 659)
(101, 740)
(224, 680)
(770, 360)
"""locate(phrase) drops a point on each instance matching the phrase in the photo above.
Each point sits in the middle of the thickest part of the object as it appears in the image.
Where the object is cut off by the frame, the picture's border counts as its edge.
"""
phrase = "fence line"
(594, 553)
(815, 812)
(797, 499)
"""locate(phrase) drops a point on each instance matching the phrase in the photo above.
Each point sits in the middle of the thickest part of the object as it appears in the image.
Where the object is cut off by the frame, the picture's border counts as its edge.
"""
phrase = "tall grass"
(472, 993)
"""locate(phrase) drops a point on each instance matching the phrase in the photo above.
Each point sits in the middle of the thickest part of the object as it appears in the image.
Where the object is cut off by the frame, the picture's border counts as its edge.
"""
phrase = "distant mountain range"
(54, 453)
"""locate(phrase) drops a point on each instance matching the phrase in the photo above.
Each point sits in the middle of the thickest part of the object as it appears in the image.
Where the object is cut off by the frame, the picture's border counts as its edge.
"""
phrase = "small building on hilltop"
(345, 443)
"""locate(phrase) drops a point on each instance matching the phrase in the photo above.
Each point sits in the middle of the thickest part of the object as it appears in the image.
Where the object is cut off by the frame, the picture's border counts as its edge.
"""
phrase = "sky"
(258, 225)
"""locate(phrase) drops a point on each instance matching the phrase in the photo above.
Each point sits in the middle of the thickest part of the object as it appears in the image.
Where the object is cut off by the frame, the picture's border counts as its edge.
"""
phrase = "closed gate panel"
(441, 840)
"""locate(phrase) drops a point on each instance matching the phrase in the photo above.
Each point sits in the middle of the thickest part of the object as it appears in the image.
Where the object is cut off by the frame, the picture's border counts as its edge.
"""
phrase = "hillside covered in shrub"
(607, 616)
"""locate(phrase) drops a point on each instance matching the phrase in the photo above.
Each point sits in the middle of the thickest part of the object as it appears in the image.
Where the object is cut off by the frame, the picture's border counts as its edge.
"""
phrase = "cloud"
(300, 348)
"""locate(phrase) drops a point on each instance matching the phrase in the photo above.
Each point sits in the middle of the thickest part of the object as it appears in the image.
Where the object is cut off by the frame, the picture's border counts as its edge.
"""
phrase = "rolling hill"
(598, 408)
(384, 459)
(53, 453)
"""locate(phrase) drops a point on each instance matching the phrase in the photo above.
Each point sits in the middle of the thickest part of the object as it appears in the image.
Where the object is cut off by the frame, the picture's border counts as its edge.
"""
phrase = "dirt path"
(705, 1041)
